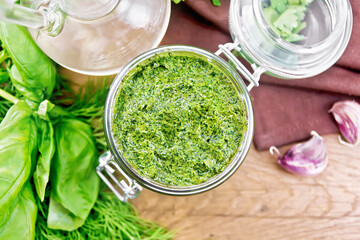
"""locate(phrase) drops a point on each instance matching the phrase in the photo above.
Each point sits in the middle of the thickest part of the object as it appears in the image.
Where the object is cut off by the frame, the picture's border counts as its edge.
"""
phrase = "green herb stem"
(8, 96)
(3, 56)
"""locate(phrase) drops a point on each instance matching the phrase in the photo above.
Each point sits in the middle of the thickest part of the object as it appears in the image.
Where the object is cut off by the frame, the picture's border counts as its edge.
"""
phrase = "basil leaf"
(75, 184)
(46, 150)
(38, 73)
(33, 96)
(46, 147)
(21, 224)
(61, 218)
(18, 148)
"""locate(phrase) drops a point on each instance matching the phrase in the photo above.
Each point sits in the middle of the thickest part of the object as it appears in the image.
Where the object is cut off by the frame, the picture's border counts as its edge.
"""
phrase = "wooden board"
(262, 201)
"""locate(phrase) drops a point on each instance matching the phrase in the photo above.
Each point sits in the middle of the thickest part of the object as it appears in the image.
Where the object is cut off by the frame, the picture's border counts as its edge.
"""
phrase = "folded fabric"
(285, 110)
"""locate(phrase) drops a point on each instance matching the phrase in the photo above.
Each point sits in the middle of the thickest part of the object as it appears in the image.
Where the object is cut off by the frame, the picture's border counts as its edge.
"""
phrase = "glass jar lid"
(291, 41)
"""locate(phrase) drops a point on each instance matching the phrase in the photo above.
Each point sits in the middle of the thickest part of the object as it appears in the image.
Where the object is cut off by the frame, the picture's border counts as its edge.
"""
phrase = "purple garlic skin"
(347, 116)
(307, 158)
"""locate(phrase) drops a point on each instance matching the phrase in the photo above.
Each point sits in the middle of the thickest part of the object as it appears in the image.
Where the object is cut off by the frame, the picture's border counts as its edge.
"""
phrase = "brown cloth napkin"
(285, 110)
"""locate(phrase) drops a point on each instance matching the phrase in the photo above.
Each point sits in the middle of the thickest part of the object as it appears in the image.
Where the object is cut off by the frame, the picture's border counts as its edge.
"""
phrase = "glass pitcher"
(94, 37)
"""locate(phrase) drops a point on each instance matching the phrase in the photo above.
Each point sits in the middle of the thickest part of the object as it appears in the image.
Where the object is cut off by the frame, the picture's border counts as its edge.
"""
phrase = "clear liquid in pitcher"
(103, 46)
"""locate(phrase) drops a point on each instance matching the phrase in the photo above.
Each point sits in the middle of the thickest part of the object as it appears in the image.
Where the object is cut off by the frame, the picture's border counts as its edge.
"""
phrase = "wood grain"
(262, 201)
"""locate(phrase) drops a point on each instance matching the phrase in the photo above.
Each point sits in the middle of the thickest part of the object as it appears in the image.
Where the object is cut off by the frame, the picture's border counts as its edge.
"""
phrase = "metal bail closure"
(253, 78)
(129, 188)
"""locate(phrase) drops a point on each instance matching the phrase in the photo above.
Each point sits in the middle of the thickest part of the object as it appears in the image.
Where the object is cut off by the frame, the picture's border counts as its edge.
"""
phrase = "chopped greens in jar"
(178, 119)
(286, 17)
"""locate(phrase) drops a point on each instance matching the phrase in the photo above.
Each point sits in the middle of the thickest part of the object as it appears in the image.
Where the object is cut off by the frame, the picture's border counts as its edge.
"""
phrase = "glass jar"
(267, 53)
(132, 177)
(328, 30)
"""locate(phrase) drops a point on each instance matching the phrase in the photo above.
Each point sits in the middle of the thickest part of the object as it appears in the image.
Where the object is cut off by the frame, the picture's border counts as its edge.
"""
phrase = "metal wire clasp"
(253, 78)
(129, 188)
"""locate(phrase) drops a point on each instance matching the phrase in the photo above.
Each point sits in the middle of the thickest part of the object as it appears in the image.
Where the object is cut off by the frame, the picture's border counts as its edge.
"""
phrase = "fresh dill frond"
(4, 107)
(109, 219)
(86, 104)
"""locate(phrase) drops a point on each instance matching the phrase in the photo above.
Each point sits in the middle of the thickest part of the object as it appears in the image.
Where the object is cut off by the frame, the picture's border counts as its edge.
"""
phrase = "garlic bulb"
(308, 158)
(347, 116)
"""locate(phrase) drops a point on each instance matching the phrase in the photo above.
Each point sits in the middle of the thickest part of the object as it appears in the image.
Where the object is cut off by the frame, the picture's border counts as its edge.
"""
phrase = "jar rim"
(177, 190)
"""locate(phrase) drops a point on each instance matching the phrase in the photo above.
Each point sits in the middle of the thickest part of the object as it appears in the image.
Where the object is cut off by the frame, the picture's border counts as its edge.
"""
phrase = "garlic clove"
(308, 158)
(347, 116)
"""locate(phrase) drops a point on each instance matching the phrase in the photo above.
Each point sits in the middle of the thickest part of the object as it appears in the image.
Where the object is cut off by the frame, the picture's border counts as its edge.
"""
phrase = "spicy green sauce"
(178, 119)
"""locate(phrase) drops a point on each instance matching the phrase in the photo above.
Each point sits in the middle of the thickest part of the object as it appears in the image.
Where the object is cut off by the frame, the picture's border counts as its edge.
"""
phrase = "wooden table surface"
(262, 201)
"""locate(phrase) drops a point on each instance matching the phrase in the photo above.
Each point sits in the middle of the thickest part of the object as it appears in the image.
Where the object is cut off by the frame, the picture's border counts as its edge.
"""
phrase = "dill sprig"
(109, 219)
(86, 104)
(4, 107)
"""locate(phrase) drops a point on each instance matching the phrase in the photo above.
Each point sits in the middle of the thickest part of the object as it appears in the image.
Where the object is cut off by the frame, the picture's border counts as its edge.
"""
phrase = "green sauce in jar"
(178, 119)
